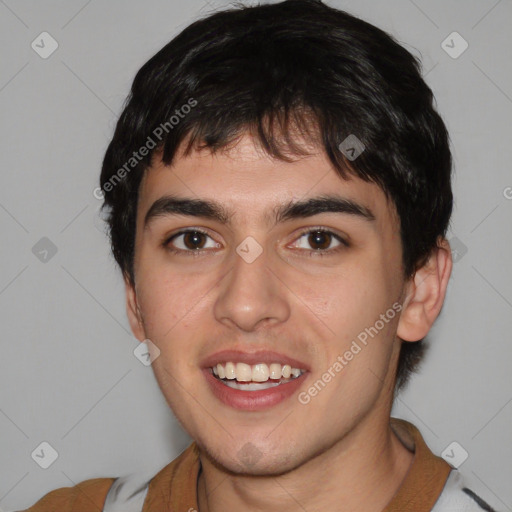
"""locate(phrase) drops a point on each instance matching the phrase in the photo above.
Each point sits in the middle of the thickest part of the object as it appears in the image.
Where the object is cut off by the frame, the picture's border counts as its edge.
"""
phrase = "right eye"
(188, 242)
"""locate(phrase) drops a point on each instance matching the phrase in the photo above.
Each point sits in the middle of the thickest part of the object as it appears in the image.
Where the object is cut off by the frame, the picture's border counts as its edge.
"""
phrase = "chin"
(250, 460)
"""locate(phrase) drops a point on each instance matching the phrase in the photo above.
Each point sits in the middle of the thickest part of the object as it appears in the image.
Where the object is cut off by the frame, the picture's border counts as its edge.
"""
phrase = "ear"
(425, 294)
(132, 310)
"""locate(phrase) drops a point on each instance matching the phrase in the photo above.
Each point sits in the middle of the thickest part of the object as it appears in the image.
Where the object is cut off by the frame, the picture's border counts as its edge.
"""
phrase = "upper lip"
(261, 356)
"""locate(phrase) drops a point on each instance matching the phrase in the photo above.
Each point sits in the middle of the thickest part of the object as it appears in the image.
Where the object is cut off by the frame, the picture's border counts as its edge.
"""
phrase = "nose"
(251, 295)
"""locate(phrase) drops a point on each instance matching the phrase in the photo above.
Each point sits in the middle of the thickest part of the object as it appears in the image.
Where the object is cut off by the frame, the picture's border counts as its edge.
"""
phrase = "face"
(316, 288)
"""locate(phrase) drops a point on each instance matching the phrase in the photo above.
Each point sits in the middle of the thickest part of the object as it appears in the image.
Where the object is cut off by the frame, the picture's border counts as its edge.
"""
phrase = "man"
(278, 189)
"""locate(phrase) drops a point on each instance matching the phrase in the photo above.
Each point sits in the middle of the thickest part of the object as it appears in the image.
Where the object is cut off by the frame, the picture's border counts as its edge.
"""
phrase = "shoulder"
(128, 492)
(83, 497)
(457, 497)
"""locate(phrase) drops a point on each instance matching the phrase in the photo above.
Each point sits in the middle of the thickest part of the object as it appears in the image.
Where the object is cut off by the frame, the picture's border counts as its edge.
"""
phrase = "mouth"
(253, 381)
(255, 377)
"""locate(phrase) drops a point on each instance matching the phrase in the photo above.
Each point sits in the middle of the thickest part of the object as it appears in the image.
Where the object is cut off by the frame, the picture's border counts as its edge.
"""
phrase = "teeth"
(260, 373)
(275, 371)
(256, 373)
(251, 386)
(295, 372)
(220, 371)
(243, 372)
(230, 371)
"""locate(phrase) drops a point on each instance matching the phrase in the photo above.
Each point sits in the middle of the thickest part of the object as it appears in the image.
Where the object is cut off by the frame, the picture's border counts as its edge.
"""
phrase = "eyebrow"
(171, 205)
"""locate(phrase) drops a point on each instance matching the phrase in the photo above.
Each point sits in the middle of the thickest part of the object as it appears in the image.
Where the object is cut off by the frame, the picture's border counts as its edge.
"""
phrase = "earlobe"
(426, 294)
(133, 311)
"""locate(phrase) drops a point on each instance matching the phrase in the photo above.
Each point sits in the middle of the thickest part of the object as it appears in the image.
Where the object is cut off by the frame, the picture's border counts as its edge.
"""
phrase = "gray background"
(68, 373)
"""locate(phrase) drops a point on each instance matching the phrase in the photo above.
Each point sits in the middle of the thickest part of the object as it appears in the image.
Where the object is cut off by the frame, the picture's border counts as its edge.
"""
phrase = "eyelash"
(313, 253)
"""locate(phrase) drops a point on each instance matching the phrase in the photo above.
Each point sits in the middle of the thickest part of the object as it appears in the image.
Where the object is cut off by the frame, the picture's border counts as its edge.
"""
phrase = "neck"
(362, 471)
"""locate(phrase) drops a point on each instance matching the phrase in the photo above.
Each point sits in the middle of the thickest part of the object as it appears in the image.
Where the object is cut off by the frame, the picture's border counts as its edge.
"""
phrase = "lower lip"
(252, 400)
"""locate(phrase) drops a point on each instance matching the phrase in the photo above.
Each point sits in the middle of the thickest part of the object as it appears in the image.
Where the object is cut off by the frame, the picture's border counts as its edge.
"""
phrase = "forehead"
(251, 184)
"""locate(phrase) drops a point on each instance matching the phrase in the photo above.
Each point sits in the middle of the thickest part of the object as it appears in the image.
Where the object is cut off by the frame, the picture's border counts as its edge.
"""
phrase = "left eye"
(320, 240)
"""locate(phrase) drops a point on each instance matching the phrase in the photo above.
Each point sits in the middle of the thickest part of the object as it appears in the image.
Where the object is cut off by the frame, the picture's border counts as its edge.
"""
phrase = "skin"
(326, 454)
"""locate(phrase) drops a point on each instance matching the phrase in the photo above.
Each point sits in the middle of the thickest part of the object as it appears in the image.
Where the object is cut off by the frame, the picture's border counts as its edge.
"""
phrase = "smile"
(261, 372)
(253, 395)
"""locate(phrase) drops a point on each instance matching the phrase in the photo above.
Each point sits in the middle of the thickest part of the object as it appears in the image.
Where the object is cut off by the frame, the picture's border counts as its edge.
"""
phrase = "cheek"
(356, 304)
(170, 306)
(348, 301)
(169, 302)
